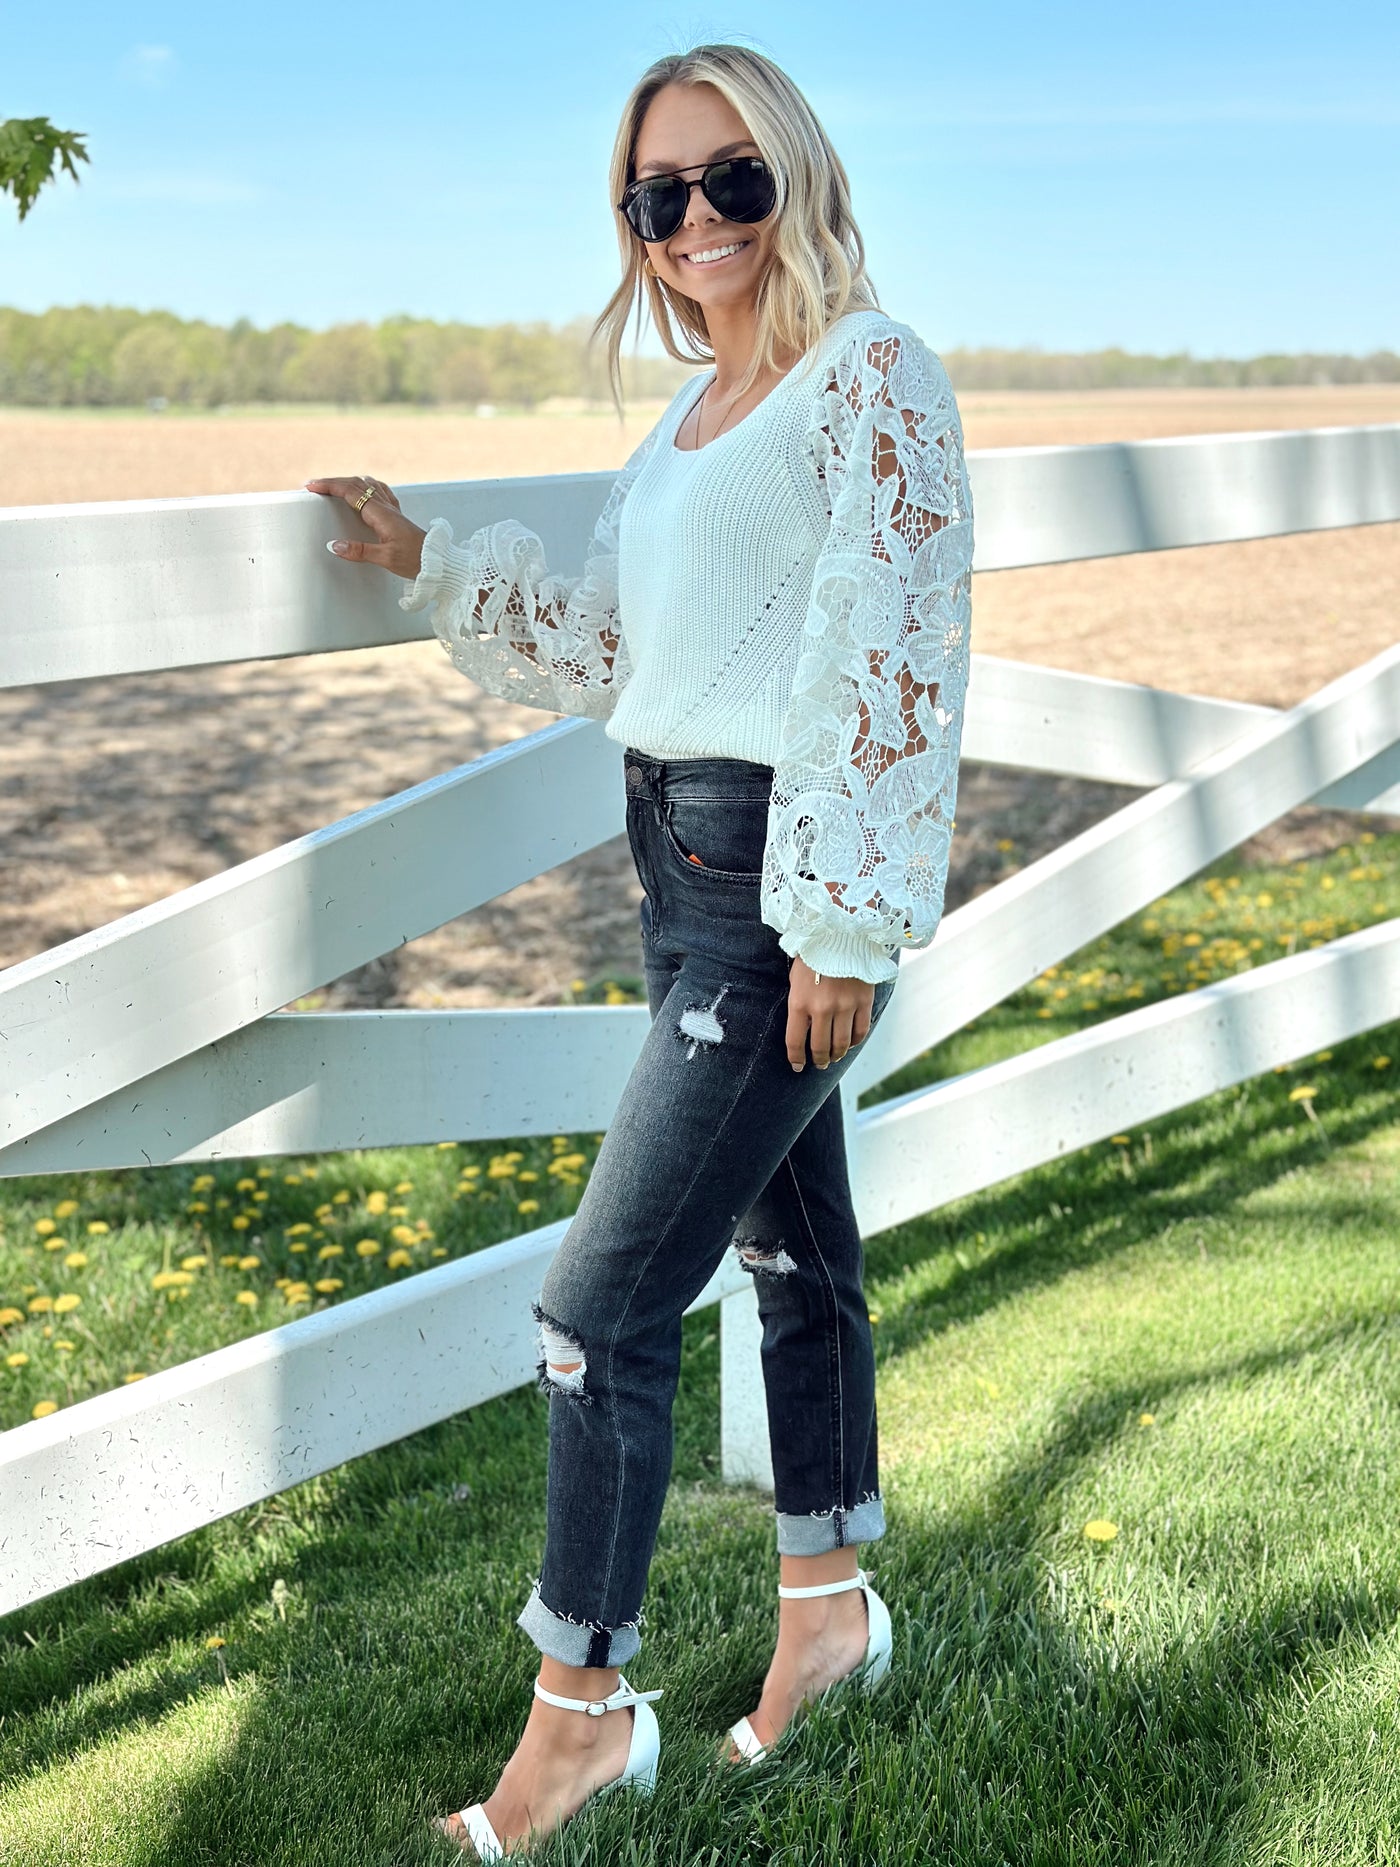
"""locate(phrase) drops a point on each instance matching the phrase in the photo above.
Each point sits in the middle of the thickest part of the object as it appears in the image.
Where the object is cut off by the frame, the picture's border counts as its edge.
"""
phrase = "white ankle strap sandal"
(643, 1757)
(873, 1667)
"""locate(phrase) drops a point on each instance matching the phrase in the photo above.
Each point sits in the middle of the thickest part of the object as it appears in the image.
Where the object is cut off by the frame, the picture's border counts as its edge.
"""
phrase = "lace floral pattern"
(865, 784)
(521, 631)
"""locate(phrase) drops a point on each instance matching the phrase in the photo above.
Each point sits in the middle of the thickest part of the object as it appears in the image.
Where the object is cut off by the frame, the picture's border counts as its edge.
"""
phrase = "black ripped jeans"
(717, 1140)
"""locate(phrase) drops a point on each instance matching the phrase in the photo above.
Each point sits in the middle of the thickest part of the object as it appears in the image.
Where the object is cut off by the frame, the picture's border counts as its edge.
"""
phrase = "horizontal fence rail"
(123, 586)
(125, 1471)
(159, 1038)
(209, 1073)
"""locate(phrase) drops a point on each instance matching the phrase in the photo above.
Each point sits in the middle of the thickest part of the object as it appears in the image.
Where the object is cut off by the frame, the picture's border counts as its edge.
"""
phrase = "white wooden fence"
(156, 1038)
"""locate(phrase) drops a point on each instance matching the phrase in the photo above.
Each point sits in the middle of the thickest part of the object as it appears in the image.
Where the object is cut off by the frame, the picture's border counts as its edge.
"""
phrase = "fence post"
(745, 1455)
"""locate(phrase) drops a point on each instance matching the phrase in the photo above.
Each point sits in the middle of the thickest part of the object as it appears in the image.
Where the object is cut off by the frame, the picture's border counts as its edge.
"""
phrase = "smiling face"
(686, 126)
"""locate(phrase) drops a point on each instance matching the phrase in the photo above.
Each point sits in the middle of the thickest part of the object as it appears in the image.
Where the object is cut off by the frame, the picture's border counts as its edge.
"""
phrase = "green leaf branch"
(30, 147)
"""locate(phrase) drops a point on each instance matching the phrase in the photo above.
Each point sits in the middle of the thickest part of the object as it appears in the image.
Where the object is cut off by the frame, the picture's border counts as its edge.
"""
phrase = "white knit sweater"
(797, 592)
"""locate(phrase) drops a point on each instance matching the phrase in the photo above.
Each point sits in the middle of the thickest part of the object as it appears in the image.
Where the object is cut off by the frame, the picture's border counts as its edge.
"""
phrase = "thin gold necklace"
(698, 406)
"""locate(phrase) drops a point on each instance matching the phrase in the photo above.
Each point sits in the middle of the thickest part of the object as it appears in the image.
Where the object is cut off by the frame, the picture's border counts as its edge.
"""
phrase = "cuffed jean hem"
(577, 1643)
(830, 1529)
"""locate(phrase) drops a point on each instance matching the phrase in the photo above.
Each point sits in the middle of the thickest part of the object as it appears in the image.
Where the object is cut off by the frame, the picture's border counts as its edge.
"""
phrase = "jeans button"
(634, 777)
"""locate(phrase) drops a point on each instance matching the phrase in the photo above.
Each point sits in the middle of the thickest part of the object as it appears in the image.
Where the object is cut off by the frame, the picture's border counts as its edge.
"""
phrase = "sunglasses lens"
(742, 190)
(656, 208)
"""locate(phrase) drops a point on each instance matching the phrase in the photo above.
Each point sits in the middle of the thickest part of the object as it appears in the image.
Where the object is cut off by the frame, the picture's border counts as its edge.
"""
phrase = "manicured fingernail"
(334, 544)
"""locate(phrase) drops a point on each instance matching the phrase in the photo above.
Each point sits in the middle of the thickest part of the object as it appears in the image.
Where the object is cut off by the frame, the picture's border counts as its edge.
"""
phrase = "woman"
(773, 622)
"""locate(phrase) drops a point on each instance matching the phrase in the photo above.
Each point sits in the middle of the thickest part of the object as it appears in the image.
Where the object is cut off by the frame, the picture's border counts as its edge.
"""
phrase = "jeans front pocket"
(727, 835)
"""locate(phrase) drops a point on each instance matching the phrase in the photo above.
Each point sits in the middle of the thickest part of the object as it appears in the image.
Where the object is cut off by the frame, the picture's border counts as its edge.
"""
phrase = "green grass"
(1188, 1334)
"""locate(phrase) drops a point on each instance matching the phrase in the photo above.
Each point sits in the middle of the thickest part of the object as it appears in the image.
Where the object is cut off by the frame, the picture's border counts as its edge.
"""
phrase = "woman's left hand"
(398, 542)
(833, 1013)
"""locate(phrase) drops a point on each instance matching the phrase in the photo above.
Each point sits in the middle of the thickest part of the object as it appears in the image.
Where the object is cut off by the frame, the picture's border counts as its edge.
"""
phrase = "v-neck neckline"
(779, 385)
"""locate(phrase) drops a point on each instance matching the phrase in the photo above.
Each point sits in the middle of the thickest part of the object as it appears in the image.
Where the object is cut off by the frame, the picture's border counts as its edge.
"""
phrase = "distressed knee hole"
(757, 1254)
(700, 1027)
(562, 1365)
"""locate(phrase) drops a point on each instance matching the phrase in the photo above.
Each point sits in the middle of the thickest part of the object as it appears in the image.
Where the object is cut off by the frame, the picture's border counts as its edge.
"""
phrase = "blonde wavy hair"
(816, 271)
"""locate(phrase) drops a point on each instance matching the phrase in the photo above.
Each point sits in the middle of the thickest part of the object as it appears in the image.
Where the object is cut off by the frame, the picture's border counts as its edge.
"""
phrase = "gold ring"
(364, 499)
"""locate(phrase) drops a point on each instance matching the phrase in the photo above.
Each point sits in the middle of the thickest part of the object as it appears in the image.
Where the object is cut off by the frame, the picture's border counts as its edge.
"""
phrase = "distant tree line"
(1121, 369)
(112, 357)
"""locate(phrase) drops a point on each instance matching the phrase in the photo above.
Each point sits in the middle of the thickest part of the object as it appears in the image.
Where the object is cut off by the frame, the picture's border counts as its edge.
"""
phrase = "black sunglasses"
(741, 188)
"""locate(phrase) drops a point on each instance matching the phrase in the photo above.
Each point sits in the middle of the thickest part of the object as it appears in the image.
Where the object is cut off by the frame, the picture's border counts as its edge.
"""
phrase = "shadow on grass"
(1014, 1728)
(1193, 1178)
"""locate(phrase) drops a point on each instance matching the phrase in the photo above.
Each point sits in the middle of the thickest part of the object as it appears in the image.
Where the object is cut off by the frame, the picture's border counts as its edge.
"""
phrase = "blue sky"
(1220, 178)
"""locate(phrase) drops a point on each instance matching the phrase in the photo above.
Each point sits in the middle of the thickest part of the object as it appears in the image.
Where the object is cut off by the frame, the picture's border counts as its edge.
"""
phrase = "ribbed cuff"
(445, 570)
(841, 953)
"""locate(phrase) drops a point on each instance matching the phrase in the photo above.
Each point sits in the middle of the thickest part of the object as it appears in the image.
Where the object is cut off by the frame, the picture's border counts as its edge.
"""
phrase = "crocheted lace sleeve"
(865, 783)
(518, 630)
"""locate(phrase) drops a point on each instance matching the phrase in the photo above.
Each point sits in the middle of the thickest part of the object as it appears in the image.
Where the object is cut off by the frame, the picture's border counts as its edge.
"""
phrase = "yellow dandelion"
(1100, 1530)
(202, 1183)
(195, 1263)
(439, 1251)
(75, 1260)
(331, 1251)
(245, 1186)
(249, 1297)
(136, 1375)
(1005, 842)
(404, 1186)
(250, 1263)
(1301, 1093)
(215, 1640)
(229, 1260)
(403, 1235)
(291, 1179)
(873, 1315)
(300, 1245)
(44, 1226)
(342, 1198)
(65, 1208)
(398, 1212)
(263, 1195)
(1323, 1056)
(168, 1280)
(240, 1222)
(9, 1314)
(300, 1230)
(39, 1305)
(1380, 1063)
(528, 1205)
(18, 1360)
(470, 1173)
(41, 1407)
(67, 1302)
(527, 1173)
(196, 1205)
(326, 1284)
(264, 1173)
(396, 1260)
(377, 1203)
(367, 1248)
(57, 1243)
(577, 985)
(1121, 1140)
(61, 1341)
(1147, 1419)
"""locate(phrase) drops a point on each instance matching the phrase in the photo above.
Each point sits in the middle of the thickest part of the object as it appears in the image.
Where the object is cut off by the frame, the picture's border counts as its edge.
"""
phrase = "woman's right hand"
(398, 543)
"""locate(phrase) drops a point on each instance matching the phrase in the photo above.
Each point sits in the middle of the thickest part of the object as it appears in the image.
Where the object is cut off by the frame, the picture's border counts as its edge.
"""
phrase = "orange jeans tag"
(696, 860)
